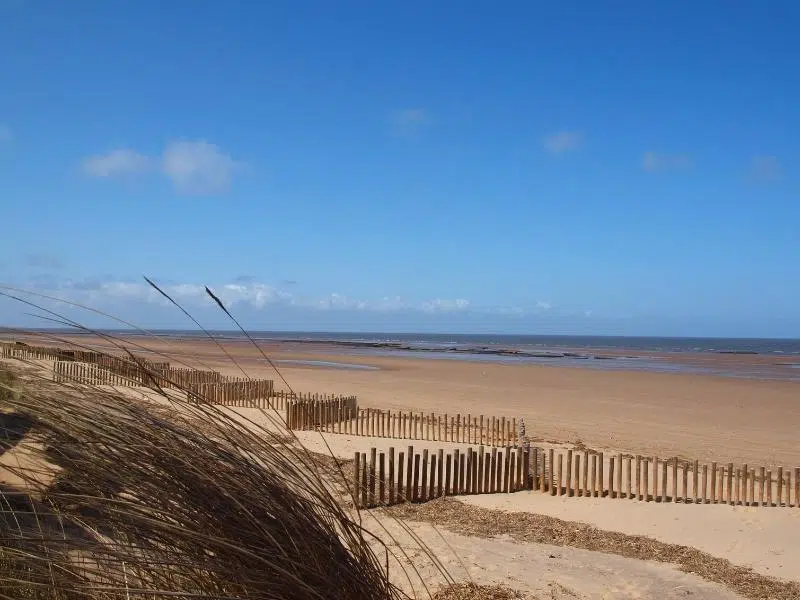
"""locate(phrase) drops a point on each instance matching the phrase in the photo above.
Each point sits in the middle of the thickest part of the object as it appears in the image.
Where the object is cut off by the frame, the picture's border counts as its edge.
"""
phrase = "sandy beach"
(702, 417)
(666, 414)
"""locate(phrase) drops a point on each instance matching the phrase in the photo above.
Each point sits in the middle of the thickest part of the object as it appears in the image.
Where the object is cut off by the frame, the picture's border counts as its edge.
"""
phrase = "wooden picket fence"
(184, 377)
(328, 413)
(570, 473)
(255, 393)
(410, 425)
(22, 351)
(421, 476)
(87, 374)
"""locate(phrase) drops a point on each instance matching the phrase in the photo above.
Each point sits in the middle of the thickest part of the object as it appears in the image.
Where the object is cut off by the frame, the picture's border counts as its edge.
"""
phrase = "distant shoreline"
(535, 346)
(780, 364)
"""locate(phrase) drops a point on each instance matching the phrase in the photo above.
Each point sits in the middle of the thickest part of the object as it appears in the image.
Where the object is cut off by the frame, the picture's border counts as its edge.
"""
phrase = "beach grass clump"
(472, 591)
(111, 496)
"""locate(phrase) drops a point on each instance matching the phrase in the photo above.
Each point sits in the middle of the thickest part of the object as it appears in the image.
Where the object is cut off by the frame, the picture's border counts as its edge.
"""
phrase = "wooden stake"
(628, 464)
(730, 483)
(392, 496)
(578, 490)
(745, 474)
(456, 472)
(769, 488)
(468, 482)
(586, 491)
(663, 482)
(364, 481)
(559, 477)
(357, 480)
(448, 476)
(611, 461)
(432, 481)
(480, 471)
(424, 479)
(675, 479)
(780, 487)
(639, 477)
(619, 476)
(440, 466)
(569, 473)
(704, 493)
(415, 490)
(551, 474)
(713, 482)
(372, 476)
(410, 474)
(381, 479)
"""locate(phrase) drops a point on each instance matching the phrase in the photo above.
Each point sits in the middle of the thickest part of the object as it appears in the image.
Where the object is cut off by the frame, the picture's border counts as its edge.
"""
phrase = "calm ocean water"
(533, 342)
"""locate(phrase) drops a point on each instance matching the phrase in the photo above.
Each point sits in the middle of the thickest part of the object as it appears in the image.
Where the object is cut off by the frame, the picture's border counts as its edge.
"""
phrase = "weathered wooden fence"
(328, 413)
(570, 473)
(409, 425)
(87, 374)
(234, 392)
(25, 352)
(420, 476)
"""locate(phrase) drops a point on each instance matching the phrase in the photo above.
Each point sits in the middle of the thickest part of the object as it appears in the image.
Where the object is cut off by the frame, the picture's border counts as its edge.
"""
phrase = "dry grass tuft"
(140, 501)
(475, 521)
(471, 591)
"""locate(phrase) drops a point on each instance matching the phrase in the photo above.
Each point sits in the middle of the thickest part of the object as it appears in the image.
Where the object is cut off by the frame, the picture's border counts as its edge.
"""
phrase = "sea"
(777, 346)
(774, 359)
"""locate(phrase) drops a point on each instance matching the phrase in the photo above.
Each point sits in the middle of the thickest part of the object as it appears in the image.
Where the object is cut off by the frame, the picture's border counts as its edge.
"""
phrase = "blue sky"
(431, 166)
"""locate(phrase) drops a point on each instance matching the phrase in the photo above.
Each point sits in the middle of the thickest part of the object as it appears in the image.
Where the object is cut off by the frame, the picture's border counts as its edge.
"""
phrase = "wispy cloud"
(117, 163)
(193, 167)
(543, 305)
(244, 293)
(653, 162)
(766, 168)
(198, 167)
(562, 141)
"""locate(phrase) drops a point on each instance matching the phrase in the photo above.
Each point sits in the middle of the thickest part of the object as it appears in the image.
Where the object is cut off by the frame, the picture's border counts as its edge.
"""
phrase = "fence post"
(432, 480)
(440, 468)
(357, 479)
(410, 475)
(364, 481)
(391, 476)
(401, 496)
(448, 475)
(569, 473)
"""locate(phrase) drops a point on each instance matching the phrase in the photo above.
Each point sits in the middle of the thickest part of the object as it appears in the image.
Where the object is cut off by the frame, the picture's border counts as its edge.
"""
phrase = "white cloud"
(766, 168)
(198, 167)
(562, 141)
(256, 295)
(440, 305)
(193, 167)
(117, 163)
(653, 162)
(541, 304)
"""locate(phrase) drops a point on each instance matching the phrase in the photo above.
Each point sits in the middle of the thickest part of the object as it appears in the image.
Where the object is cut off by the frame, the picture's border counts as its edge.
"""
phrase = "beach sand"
(703, 417)
(694, 417)
(665, 414)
